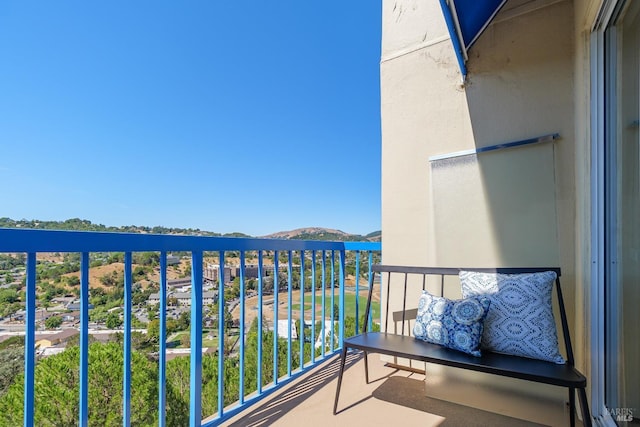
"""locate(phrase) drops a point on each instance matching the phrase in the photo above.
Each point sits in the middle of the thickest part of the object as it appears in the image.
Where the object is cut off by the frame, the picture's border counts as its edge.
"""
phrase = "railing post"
(313, 306)
(126, 383)
(221, 336)
(276, 290)
(370, 326)
(357, 274)
(324, 301)
(260, 271)
(195, 385)
(342, 293)
(84, 340)
(162, 342)
(301, 332)
(242, 329)
(30, 343)
(289, 315)
(333, 292)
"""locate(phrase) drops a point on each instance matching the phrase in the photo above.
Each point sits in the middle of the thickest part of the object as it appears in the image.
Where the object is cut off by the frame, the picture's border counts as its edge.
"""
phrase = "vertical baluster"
(357, 292)
(30, 342)
(371, 284)
(301, 332)
(386, 311)
(341, 284)
(242, 335)
(221, 336)
(404, 301)
(289, 314)
(313, 306)
(126, 392)
(333, 280)
(324, 292)
(276, 289)
(84, 340)
(260, 338)
(162, 342)
(195, 379)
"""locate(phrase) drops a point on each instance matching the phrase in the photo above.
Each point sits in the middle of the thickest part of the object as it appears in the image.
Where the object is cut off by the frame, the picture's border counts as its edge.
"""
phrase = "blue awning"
(466, 20)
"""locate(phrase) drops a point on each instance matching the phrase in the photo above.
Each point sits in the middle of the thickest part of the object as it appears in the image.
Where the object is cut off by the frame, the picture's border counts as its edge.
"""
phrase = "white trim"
(604, 15)
(414, 48)
(456, 23)
(599, 102)
(453, 155)
(597, 225)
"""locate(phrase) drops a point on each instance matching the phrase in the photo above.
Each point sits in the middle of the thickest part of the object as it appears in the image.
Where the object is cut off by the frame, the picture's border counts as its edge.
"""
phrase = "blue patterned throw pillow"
(454, 324)
(520, 321)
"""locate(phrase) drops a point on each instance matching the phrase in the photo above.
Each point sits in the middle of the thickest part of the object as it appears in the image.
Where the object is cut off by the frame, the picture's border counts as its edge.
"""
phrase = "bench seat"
(406, 346)
(491, 363)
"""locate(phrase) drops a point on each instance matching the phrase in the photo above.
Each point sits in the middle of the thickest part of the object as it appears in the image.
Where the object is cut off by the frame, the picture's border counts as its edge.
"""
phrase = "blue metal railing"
(332, 272)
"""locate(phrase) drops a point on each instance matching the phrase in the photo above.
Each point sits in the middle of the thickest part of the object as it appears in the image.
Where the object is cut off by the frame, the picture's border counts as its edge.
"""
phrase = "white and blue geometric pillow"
(454, 324)
(520, 321)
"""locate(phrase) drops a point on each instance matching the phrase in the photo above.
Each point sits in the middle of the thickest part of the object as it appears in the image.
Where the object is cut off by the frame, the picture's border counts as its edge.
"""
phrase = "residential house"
(75, 306)
(50, 340)
(153, 299)
(184, 298)
(173, 260)
(176, 283)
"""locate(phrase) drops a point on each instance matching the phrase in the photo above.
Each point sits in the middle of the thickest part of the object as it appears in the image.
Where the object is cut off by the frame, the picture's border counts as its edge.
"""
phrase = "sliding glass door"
(622, 214)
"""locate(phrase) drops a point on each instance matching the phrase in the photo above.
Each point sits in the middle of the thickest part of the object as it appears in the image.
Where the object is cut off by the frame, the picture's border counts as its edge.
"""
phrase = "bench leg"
(343, 358)
(572, 407)
(584, 407)
(366, 367)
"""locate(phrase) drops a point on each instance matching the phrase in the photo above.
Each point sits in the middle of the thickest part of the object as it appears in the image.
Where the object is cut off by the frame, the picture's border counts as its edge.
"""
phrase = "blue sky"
(247, 115)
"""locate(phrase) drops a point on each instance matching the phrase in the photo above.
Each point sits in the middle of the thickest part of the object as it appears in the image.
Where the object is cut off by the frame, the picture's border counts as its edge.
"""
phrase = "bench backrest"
(385, 273)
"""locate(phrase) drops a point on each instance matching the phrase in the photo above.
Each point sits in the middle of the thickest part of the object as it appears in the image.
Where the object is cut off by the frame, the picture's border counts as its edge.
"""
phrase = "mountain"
(319, 233)
(309, 233)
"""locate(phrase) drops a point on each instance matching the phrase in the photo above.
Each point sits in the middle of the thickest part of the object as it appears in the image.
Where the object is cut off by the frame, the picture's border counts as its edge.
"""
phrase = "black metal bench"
(405, 346)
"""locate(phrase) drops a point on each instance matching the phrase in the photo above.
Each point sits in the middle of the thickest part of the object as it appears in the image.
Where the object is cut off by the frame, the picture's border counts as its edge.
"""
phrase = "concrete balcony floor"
(393, 398)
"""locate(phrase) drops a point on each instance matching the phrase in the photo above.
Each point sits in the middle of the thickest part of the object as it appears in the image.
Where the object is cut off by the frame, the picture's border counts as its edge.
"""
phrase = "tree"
(10, 309)
(53, 322)
(115, 257)
(187, 271)
(147, 258)
(11, 361)
(153, 330)
(139, 273)
(115, 279)
(73, 280)
(184, 321)
(185, 340)
(141, 342)
(57, 389)
(113, 321)
(46, 305)
(8, 296)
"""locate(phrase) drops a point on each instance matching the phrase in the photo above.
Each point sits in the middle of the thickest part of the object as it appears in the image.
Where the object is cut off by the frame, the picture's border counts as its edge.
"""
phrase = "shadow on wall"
(501, 208)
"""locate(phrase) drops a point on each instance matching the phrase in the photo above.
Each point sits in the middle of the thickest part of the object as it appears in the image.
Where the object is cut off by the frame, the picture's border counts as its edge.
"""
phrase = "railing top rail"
(32, 240)
(362, 246)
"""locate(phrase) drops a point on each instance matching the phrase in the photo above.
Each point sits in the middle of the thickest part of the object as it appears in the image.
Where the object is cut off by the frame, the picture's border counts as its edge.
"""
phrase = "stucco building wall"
(516, 207)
